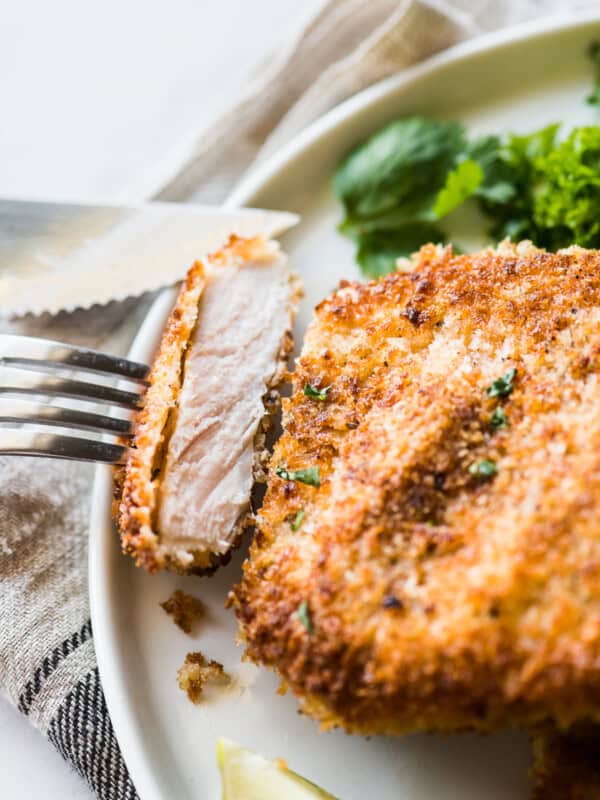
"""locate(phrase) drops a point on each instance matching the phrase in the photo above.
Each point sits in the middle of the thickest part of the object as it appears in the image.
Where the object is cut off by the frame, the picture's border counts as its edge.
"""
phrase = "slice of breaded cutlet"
(438, 566)
(184, 495)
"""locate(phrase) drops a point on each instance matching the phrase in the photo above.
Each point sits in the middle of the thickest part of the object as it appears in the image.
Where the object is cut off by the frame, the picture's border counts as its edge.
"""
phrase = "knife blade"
(62, 256)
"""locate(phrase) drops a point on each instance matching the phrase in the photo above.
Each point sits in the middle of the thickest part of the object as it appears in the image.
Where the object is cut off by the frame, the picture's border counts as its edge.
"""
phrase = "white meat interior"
(245, 311)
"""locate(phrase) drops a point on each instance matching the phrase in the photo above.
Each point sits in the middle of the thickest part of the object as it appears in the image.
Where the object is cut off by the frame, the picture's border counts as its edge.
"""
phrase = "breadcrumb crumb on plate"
(198, 671)
(184, 609)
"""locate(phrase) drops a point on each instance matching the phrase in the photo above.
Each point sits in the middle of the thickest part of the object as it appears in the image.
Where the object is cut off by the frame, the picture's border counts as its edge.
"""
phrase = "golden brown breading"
(566, 765)
(450, 559)
(184, 609)
(140, 484)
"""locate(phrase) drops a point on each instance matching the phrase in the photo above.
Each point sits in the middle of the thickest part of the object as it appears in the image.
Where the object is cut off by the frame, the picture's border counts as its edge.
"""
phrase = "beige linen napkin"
(348, 46)
(47, 661)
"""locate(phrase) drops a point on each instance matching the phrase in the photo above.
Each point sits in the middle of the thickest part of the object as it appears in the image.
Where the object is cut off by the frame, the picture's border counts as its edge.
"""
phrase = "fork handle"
(48, 445)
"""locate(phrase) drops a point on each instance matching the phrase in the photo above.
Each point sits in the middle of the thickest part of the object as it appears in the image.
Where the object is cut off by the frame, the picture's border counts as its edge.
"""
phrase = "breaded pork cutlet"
(566, 765)
(185, 492)
(428, 554)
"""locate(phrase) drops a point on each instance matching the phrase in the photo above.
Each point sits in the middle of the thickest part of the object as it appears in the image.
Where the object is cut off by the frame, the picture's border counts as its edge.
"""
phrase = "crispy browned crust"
(137, 486)
(566, 765)
(141, 476)
(439, 600)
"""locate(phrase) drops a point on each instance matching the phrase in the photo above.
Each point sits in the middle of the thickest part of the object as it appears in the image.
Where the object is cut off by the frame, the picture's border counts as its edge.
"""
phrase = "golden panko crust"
(140, 483)
(566, 765)
(137, 486)
(447, 569)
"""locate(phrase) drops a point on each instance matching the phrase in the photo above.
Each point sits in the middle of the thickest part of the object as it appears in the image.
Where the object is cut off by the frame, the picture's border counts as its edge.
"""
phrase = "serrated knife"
(58, 256)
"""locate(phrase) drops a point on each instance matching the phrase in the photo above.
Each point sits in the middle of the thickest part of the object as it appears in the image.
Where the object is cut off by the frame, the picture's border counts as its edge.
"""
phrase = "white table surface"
(94, 96)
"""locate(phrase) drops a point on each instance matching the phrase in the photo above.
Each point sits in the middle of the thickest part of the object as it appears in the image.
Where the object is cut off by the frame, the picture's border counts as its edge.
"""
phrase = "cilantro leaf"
(378, 252)
(405, 161)
(498, 181)
(396, 185)
(461, 183)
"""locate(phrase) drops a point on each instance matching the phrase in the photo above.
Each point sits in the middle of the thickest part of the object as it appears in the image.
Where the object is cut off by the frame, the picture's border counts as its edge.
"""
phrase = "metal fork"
(32, 379)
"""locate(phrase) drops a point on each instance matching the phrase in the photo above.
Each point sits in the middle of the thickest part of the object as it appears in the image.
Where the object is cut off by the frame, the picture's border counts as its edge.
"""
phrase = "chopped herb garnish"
(310, 475)
(317, 394)
(297, 521)
(498, 419)
(503, 386)
(304, 616)
(486, 468)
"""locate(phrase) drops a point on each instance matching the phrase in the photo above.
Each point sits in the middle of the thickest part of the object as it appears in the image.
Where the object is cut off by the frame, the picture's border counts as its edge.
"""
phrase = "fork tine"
(29, 350)
(29, 443)
(31, 412)
(22, 381)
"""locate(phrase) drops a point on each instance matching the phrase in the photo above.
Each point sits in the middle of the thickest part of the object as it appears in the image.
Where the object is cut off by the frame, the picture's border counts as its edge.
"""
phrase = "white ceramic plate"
(516, 80)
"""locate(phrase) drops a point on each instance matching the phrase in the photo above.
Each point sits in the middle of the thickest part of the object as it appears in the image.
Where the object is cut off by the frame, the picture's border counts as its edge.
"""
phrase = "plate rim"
(258, 176)
(257, 179)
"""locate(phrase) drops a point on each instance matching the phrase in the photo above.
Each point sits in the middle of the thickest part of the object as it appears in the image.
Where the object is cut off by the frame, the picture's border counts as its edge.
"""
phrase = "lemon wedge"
(247, 776)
